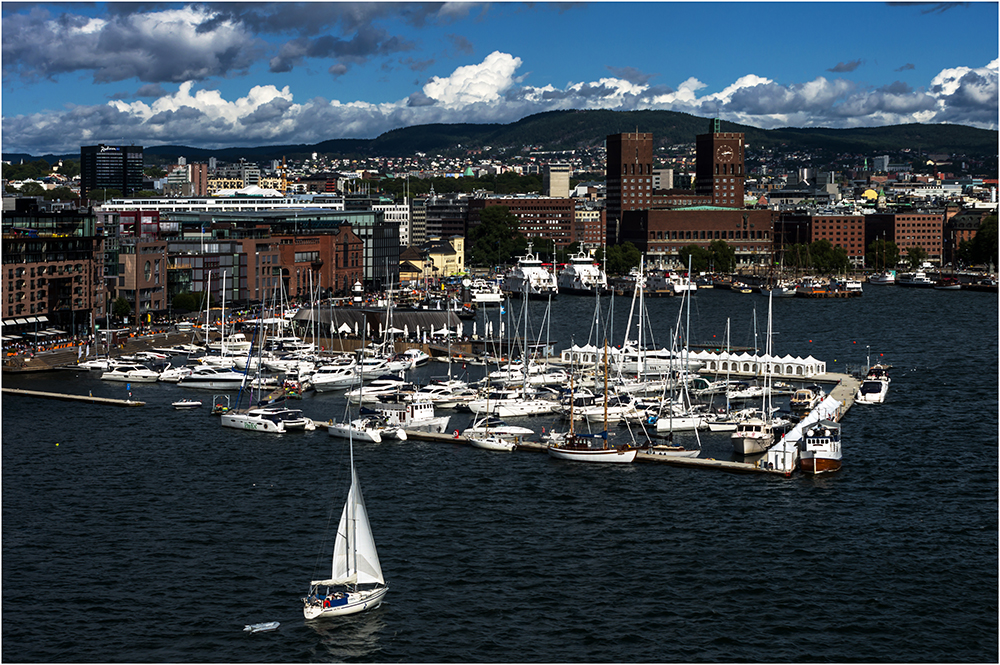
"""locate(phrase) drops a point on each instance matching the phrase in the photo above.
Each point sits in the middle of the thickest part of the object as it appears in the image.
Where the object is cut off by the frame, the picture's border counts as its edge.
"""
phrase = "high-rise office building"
(110, 167)
(629, 177)
(555, 180)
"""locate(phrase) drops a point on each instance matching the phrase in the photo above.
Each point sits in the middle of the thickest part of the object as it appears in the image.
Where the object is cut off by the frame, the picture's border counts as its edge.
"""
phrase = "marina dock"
(844, 391)
(107, 401)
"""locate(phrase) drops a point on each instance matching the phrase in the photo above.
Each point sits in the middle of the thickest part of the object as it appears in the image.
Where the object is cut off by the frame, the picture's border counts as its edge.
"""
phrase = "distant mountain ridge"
(569, 130)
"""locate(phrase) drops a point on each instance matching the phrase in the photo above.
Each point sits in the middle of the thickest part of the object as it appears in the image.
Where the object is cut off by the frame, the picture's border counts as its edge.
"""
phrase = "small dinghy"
(186, 404)
(261, 627)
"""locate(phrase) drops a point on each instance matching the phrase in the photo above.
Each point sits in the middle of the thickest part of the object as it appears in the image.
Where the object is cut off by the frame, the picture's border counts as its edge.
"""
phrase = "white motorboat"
(213, 378)
(186, 404)
(385, 385)
(356, 581)
(671, 450)
(882, 278)
(917, 278)
(511, 403)
(819, 449)
(271, 419)
(131, 374)
(234, 344)
(806, 399)
(224, 362)
(414, 415)
(416, 357)
(582, 276)
(362, 429)
(328, 378)
(677, 422)
(615, 410)
(753, 435)
(175, 374)
(530, 278)
(874, 387)
(97, 364)
(445, 394)
(493, 442)
(490, 425)
(485, 293)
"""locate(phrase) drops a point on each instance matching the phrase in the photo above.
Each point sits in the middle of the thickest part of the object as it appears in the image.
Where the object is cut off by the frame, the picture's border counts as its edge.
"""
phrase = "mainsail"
(355, 560)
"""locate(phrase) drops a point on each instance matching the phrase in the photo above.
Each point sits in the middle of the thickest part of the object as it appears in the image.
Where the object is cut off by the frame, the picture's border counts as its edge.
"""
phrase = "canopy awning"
(43, 319)
(20, 322)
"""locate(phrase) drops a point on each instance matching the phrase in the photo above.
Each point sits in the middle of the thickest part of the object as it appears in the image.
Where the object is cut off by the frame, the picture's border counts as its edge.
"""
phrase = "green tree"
(32, 189)
(983, 248)
(121, 307)
(723, 256)
(61, 194)
(700, 257)
(153, 172)
(622, 258)
(562, 255)
(185, 302)
(104, 194)
(147, 194)
(915, 255)
(35, 169)
(882, 255)
(496, 239)
(828, 258)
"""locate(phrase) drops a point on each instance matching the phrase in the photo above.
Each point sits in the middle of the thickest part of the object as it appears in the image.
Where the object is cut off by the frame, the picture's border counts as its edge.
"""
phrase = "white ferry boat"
(530, 277)
(582, 276)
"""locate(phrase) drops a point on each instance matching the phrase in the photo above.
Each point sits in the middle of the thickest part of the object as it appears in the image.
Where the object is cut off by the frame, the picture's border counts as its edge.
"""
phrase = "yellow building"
(446, 257)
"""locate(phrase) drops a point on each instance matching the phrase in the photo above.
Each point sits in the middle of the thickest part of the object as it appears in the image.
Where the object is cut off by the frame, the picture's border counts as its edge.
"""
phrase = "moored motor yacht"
(414, 415)
(820, 448)
(131, 374)
(753, 435)
(271, 419)
(874, 387)
(213, 378)
(917, 278)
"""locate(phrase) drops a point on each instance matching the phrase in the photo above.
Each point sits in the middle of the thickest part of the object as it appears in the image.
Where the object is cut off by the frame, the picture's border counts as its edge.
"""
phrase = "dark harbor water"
(150, 535)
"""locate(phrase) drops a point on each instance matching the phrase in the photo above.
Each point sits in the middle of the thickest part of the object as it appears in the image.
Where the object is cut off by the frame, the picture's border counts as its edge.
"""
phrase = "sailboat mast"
(605, 392)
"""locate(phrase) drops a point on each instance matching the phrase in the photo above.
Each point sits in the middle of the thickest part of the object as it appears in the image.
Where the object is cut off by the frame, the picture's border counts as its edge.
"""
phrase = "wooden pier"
(107, 401)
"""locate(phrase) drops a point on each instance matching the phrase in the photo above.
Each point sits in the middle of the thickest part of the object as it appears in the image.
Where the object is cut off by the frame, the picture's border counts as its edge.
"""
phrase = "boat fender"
(651, 420)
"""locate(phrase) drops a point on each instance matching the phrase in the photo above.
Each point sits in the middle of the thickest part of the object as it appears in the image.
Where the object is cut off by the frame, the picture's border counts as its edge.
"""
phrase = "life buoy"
(456, 434)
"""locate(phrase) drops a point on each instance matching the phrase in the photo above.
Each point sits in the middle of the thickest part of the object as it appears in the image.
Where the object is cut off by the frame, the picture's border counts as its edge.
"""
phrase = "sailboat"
(356, 581)
(756, 435)
(580, 447)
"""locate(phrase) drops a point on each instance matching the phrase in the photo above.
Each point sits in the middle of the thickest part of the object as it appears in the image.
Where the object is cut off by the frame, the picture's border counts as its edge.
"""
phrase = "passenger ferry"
(582, 276)
(529, 277)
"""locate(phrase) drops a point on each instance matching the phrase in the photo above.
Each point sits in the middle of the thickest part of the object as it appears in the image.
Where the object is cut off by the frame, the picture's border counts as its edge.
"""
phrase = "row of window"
(708, 235)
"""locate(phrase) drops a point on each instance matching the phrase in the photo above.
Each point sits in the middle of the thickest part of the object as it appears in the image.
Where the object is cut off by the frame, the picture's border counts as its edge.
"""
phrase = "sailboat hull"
(600, 455)
(357, 601)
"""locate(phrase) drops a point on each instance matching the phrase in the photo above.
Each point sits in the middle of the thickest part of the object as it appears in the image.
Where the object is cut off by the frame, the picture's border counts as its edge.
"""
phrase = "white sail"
(355, 560)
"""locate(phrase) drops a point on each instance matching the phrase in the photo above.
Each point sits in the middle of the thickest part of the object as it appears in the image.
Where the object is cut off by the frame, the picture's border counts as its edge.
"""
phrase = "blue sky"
(241, 74)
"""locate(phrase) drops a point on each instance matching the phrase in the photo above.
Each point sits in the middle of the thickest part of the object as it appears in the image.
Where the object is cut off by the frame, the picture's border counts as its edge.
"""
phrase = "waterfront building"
(214, 204)
(537, 216)
(660, 234)
(588, 226)
(446, 215)
(49, 267)
(397, 214)
(330, 261)
(909, 228)
(110, 167)
(962, 226)
(803, 228)
(418, 220)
